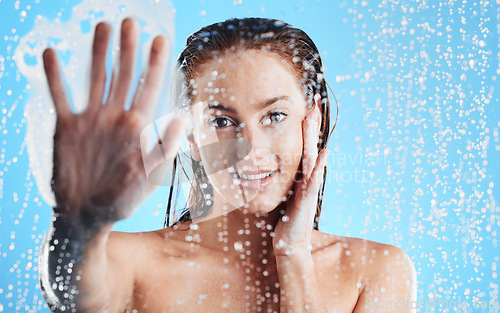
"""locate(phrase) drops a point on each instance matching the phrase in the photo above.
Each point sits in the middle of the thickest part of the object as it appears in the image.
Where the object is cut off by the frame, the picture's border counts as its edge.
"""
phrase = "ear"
(195, 150)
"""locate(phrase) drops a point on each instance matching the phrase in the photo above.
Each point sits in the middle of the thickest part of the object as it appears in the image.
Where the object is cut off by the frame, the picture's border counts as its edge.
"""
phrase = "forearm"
(299, 289)
(73, 264)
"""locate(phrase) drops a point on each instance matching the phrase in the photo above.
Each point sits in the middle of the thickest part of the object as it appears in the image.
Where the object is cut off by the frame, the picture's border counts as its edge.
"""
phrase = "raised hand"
(292, 233)
(98, 168)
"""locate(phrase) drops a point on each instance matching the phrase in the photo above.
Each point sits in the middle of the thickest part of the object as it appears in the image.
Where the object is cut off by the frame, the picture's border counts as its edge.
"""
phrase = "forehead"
(246, 73)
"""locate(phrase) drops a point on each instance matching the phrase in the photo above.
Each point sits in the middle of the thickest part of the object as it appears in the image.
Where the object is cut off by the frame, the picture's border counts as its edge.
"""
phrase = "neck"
(241, 231)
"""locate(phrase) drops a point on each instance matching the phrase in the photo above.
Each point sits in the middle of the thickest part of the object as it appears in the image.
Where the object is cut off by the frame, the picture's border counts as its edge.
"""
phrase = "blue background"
(414, 152)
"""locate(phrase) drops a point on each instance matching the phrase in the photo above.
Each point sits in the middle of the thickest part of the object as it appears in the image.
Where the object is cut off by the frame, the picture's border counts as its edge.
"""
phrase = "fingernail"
(317, 97)
(158, 44)
(127, 23)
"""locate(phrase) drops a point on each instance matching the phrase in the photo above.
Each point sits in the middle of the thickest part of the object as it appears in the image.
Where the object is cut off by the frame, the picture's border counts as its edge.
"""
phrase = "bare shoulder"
(136, 250)
(134, 243)
(390, 280)
(125, 244)
(385, 261)
(131, 251)
(373, 257)
(381, 276)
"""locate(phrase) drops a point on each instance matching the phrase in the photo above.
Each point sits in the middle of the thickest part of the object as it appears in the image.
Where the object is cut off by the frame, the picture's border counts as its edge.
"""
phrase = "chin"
(265, 202)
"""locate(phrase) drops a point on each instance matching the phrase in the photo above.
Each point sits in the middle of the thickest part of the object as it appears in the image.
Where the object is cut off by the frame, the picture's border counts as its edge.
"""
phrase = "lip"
(257, 172)
(257, 184)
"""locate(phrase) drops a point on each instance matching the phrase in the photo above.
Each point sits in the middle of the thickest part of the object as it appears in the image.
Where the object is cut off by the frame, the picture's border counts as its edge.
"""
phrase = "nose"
(259, 144)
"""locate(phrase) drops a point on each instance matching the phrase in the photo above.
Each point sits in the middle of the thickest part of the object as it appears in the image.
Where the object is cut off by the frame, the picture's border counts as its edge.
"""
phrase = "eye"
(275, 117)
(220, 122)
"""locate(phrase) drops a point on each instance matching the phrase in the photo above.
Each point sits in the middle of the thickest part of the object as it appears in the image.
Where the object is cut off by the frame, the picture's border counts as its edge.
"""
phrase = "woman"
(250, 241)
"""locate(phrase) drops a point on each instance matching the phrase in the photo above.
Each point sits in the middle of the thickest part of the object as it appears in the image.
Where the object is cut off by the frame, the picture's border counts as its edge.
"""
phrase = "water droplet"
(238, 246)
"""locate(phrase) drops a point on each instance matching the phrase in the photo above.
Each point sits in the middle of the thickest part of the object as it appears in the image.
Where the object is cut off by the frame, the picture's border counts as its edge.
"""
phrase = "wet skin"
(227, 263)
(171, 274)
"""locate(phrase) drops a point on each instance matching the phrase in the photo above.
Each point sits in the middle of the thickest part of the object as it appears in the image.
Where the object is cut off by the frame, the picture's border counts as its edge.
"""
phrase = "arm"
(299, 289)
(73, 266)
(292, 234)
(391, 283)
(98, 177)
(84, 269)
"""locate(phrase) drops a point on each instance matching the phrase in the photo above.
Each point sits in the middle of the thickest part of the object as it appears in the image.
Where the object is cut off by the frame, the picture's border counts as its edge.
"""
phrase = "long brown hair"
(288, 43)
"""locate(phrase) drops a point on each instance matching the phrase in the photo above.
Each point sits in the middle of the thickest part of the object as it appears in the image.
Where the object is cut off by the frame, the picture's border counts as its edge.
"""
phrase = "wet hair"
(292, 45)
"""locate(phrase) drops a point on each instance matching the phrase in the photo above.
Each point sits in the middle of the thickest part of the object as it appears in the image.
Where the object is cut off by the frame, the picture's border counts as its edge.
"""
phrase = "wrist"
(283, 249)
(295, 264)
(294, 254)
(78, 227)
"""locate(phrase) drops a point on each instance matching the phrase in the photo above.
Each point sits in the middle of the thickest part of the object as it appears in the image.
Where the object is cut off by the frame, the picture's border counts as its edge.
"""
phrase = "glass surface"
(415, 151)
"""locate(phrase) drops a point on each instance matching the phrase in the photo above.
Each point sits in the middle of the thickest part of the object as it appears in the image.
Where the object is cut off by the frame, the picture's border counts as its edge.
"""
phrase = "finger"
(98, 71)
(317, 174)
(121, 83)
(310, 135)
(166, 148)
(56, 84)
(308, 191)
(148, 92)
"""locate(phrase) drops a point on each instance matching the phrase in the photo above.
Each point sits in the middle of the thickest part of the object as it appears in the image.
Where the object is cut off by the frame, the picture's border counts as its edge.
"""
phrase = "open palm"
(98, 166)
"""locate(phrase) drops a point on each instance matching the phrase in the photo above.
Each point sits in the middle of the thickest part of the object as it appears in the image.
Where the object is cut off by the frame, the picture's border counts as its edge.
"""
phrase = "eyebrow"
(260, 106)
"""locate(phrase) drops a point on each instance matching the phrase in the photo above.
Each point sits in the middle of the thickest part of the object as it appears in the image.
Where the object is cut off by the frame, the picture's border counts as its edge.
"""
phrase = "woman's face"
(248, 109)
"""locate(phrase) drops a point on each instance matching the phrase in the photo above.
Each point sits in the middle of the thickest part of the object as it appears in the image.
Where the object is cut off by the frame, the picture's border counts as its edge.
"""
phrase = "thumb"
(158, 163)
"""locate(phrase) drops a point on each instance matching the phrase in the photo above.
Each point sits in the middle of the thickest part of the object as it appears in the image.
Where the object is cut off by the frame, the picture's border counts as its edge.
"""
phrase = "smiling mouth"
(254, 177)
